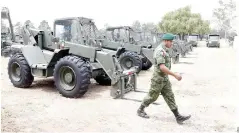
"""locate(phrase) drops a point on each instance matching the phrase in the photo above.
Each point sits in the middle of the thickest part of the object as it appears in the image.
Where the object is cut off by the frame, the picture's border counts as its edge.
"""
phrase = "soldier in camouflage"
(160, 82)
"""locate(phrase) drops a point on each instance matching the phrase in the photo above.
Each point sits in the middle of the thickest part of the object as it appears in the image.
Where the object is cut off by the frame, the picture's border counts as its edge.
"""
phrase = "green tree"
(149, 27)
(17, 28)
(44, 25)
(225, 14)
(28, 22)
(182, 21)
(137, 25)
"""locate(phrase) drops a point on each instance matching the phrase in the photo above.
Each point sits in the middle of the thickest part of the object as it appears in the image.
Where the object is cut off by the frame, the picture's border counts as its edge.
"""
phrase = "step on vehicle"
(72, 54)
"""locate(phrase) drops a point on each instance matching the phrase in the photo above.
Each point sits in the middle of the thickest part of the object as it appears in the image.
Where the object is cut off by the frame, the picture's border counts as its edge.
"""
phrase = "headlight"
(210, 41)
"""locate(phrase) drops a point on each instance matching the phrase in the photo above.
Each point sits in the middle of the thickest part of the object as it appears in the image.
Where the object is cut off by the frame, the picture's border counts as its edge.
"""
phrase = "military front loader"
(72, 56)
(136, 51)
(7, 32)
(8, 36)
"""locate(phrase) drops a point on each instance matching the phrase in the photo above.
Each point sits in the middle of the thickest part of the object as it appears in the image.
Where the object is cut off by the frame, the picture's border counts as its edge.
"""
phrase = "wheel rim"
(16, 71)
(127, 63)
(67, 78)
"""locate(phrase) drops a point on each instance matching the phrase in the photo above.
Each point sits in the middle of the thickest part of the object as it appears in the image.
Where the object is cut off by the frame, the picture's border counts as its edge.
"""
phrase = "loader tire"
(147, 64)
(19, 71)
(72, 76)
(103, 80)
(130, 59)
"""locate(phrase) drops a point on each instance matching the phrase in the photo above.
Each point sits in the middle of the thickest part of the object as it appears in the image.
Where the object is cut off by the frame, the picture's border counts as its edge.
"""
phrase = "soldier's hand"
(178, 77)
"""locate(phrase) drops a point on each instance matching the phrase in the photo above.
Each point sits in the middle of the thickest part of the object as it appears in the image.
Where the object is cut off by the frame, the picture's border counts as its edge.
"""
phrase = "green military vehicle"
(72, 54)
(193, 39)
(7, 33)
(136, 51)
(8, 36)
(213, 40)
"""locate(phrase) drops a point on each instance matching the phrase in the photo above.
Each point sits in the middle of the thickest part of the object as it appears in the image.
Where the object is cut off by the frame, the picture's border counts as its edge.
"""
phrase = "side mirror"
(56, 39)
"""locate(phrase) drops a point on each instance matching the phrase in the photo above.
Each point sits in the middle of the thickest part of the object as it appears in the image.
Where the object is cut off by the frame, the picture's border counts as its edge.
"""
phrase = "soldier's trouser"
(163, 87)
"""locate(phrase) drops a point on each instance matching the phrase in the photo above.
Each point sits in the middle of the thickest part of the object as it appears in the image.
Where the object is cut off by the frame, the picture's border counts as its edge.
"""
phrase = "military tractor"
(193, 39)
(72, 55)
(137, 51)
(184, 47)
(8, 36)
(7, 33)
(213, 40)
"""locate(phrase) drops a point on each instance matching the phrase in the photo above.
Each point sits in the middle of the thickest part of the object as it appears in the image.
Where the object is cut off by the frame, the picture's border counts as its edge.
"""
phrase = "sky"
(112, 12)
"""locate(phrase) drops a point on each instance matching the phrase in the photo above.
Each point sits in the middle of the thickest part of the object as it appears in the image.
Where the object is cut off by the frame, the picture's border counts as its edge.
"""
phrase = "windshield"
(193, 38)
(148, 37)
(90, 31)
(63, 32)
(117, 35)
(70, 31)
(137, 36)
(214, 38)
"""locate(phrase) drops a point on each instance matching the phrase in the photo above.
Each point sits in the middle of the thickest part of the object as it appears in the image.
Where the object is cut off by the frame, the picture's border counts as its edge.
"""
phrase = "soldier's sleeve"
(160, 57)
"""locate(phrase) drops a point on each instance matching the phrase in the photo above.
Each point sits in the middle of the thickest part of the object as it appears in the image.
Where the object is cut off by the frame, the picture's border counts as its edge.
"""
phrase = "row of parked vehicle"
(75, 51)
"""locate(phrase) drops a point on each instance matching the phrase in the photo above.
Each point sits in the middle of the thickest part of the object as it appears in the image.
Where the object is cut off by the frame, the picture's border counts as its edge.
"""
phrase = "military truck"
(213, 40)
(72, 54)
(137, 51)
(193, 39)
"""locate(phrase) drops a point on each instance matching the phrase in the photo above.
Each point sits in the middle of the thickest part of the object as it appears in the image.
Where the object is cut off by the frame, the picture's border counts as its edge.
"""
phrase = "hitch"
(126, 83)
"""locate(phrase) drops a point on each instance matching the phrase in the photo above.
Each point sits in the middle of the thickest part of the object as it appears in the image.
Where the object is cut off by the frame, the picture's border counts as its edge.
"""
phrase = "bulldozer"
(137, 51)
(72, 54)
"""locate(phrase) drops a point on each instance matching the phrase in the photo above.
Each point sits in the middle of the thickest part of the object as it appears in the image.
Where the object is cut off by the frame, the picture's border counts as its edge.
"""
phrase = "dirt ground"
(207, 91)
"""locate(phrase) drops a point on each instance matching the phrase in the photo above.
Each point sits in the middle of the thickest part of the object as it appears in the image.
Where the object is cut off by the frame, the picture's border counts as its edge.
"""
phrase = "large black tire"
(19, 71)
(133, 58)
(147, 64)
(103, 79)
(79, 73)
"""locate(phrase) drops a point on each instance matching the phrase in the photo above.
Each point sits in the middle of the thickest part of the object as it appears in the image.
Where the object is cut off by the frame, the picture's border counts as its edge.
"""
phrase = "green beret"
(168, 36)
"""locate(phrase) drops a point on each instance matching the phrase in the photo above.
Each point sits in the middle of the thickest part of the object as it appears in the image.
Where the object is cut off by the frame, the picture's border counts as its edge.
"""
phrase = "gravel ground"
(207, 92)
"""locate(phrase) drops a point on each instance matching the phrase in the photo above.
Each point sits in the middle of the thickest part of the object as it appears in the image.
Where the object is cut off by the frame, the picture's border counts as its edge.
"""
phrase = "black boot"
(180, 119)
(141, 112)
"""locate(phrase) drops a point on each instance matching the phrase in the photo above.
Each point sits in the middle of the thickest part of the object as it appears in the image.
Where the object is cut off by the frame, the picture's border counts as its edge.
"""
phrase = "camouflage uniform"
(160, 82)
